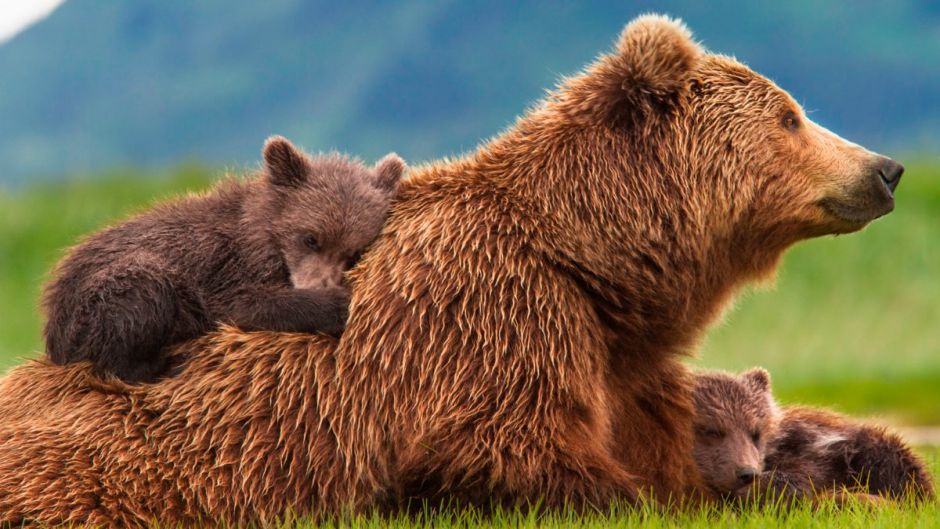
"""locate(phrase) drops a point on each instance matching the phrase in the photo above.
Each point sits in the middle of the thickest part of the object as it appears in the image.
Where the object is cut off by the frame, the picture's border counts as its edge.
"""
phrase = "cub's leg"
(120, 318)
(291, 310)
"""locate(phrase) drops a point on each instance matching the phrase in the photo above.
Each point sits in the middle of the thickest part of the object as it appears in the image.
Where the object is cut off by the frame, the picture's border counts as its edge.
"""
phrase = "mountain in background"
(150, 82)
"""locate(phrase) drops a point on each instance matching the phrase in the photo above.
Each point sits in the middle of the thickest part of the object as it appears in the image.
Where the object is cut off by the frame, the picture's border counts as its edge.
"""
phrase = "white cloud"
(17, 15)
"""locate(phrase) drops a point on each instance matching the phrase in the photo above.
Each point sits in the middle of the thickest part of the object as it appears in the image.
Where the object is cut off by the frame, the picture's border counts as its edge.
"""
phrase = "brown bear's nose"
(890, 172)
(745, 475)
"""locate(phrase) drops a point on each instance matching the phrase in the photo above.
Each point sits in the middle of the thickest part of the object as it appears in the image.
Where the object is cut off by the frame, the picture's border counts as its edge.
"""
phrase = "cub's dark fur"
(264, 253)
(745, 444)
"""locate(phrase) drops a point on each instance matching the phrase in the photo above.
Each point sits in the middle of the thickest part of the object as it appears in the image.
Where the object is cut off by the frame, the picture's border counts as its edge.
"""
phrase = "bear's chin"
(847, 218)
(859, 206)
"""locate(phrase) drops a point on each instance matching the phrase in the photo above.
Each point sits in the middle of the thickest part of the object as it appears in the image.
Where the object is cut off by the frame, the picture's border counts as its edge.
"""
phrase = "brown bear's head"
(735, 415)
(701, 148)
(325, 210)
(779, 169)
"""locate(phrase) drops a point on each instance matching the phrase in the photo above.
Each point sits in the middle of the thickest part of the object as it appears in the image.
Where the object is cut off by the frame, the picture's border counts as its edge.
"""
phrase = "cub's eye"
(755, 436)
(790, 121)
(312, 243)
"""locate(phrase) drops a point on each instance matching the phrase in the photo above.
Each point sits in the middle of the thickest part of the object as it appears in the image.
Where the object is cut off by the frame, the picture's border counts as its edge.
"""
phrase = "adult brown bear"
(514, 334)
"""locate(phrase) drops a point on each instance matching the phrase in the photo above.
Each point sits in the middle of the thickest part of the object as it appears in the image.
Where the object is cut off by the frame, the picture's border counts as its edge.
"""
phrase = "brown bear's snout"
(871, 196)
(890, 173)
(883, 179)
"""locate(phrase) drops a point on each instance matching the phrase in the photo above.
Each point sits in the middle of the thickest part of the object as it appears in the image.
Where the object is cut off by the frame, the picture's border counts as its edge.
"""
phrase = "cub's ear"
(758, 378)
(286, 165)
(388, 172)
(656, 54)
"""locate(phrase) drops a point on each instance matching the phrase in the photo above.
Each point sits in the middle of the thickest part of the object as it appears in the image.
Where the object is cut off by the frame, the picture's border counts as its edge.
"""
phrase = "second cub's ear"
(286, 165)
(388, 172)
(656, 55)
(758, 378)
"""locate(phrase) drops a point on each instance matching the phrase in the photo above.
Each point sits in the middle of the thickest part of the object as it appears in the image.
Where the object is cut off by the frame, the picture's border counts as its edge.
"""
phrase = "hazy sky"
(16, 15)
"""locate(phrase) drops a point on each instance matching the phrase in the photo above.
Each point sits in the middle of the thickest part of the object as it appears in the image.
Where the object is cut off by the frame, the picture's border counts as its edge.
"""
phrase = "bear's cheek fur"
(809, 183)
(715, 462)
(843, 191)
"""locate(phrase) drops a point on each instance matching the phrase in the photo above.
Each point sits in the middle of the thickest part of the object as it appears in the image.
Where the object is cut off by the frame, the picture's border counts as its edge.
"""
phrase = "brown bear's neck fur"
(674, 265)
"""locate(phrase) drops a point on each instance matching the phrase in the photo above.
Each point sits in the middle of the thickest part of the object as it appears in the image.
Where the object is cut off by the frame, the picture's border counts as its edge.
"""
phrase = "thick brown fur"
(747, 445)
(265, 253)
(815, 451)
(515, 333)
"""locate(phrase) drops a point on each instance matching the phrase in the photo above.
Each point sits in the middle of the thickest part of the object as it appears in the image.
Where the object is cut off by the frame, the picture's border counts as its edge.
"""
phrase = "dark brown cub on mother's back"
(264, 253)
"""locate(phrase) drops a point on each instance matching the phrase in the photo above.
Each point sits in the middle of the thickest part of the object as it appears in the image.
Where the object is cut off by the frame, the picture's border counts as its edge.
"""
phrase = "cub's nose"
(890, 172)
(745, 475)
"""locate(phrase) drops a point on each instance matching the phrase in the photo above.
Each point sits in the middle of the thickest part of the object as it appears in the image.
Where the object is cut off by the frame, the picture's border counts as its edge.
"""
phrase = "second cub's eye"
(790, 121)
(353, 259)
(712, 433)
(755, 436)
(312, 243)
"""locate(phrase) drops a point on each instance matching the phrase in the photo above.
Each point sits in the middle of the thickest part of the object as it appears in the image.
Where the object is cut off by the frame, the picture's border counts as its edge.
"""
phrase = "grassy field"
(805, 518)
(852, 322)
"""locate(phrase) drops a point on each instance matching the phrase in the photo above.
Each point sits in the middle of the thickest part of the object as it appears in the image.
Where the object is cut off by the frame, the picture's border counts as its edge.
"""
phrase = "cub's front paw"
(333, 310)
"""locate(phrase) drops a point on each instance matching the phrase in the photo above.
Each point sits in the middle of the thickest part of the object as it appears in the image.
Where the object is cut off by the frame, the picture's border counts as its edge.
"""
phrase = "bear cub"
(266, 253)
(745, 443)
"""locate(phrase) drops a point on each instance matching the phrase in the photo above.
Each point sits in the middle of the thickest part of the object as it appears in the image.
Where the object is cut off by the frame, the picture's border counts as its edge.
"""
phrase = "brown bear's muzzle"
(876, 198)
(871, 197)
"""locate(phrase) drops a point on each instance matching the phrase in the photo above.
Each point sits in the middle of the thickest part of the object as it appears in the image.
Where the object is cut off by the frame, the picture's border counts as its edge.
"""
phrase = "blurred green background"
(852, 322)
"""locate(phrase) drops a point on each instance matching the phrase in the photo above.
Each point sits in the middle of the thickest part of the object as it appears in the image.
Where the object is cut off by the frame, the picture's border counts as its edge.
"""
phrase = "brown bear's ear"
(656, 54)
(286, 165)
(758, 378)
(388, 172)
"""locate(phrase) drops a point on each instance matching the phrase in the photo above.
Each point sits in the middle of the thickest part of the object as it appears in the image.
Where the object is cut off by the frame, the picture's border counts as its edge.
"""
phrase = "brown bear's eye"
(755, 436)
(312, 243)
(791, 121)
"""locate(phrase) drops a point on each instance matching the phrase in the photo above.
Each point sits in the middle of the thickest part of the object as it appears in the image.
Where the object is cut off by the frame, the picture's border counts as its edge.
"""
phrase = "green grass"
(804, 516)
(853, 322)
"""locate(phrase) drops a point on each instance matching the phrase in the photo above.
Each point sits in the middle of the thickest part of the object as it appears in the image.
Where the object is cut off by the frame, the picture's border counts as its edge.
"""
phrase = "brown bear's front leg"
(653, 417)
(584, 478)
(496, 469)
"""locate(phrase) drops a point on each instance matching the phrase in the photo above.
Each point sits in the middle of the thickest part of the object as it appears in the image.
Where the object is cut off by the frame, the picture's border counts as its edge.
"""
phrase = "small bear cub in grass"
(746, 444)
(266, 253)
